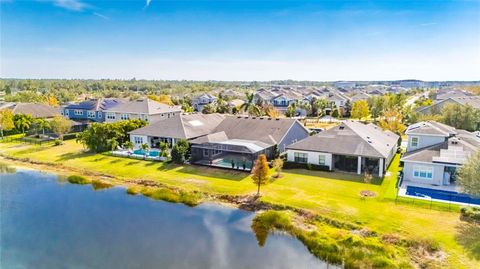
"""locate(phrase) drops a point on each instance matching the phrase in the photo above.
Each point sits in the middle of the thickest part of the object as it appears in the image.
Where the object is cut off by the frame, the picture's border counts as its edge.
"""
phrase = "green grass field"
(335, 195)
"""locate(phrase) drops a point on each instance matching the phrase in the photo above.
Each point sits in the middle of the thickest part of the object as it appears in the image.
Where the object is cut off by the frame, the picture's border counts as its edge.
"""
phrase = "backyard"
(335, 195)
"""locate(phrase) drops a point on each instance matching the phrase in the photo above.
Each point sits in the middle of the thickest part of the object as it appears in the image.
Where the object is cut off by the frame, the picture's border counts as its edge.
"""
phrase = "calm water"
(48, 224)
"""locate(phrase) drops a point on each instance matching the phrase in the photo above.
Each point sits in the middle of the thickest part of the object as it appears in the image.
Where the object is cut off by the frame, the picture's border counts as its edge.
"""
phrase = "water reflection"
(50, 225)
(6, 169)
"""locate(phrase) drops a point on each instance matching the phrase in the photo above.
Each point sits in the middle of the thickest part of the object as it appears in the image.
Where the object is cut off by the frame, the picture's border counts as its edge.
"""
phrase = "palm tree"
(42, 124)
(128, 145)
(249, 105)
(22, 122)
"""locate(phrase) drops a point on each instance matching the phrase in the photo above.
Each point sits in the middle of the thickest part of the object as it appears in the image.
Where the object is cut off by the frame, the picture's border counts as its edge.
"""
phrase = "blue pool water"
(228, 164)
(142, 152)
(448, 196)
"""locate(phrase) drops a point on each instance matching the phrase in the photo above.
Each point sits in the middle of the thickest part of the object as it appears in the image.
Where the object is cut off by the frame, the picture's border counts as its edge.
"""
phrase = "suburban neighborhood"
(240, 134)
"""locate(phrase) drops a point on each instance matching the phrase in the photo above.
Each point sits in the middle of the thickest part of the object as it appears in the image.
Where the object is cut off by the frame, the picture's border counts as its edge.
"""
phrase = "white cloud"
(147, 3)
(74, 5)
(101, 16)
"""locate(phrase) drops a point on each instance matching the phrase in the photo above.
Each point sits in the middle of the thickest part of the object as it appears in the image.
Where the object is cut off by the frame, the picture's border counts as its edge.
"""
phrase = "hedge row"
(308, 166)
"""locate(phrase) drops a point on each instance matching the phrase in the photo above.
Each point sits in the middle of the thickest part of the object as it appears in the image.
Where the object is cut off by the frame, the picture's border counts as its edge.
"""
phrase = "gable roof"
(143, 106)
(351, 138)
(473, 101)
(267, 130)
(430, 128)
(32, 109)
(456, 150)
(96, 104)
(182, 126)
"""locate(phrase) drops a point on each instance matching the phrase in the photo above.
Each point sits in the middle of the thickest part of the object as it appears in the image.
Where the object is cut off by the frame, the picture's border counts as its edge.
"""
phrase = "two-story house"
(202, 100)
(90, 110)
(434, 153)
(144, 109)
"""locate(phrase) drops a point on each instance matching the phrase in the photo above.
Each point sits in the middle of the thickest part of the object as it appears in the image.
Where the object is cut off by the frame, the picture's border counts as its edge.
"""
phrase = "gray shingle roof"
(430, 128)
(35, 110)
(144, 106)
(266, 130)
(184, 126)
(351, 138)
(455, 151)
(473, 101)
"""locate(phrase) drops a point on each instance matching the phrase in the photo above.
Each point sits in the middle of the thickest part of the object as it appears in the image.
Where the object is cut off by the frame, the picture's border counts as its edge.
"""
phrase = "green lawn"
(334, 195)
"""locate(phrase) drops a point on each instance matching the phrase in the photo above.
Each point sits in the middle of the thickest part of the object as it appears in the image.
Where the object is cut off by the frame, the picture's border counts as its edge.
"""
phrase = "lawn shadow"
(117, 160)
(214, 172)
(74, 155)
(344, 176)
(468, 236)
(133, 163)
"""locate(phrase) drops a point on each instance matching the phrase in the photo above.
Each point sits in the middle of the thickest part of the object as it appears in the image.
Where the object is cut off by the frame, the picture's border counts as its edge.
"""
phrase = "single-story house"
(36, 110)
(351, 146)
(238, 140)
(179, 126)
(436, 108)
(144, 109)
(435, 151)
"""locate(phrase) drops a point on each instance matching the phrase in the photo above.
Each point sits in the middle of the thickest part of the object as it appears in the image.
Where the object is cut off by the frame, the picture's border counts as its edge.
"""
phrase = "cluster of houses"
(450, 96)
(281, 97)
(434, 151)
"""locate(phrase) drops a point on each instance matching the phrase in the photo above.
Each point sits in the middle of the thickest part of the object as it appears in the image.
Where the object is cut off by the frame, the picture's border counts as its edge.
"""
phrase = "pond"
(47, 223)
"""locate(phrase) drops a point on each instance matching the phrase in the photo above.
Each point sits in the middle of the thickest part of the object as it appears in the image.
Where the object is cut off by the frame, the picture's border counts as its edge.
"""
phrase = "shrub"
(75, 179)
(132, 191)
(99, 185)
(472, 213)
(57, 142)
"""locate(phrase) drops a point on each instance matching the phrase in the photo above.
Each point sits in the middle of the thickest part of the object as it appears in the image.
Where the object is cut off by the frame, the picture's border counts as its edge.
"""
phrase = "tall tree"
(260, 172)
(392, 120)
(249, 105)
(360, 109)
(22, 122)
(60, 126)
(469, 175)
(461, 117)
(291, 110)
(41, 124)
(6, 121)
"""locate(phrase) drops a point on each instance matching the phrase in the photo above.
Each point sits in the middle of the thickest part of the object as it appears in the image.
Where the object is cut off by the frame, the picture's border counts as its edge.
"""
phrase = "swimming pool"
(142, 153)
(238, 164)
(448, 196)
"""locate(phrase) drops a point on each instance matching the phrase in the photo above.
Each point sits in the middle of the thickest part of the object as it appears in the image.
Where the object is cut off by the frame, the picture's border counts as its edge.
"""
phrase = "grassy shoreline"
(315, 193)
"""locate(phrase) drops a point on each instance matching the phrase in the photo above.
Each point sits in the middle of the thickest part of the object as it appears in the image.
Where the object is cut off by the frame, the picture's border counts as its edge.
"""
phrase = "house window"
(125, 117)
(66, 112)
(321, 159)
(301, 157)
(138, 140)
(414, 142)
(100, 115)
(423, 172)
(91, 114)
(205, 152)
(78, 112)
(110, 115)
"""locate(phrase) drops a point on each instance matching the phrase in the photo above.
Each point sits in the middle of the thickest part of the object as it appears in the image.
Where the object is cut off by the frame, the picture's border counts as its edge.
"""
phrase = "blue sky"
(241, 40)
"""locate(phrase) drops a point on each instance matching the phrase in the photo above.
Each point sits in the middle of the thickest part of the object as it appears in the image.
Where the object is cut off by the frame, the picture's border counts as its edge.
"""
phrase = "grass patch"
(172, 196)
(331, 196)
(76, 179)
(100, 185)
(133, 190)
(336, 244)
